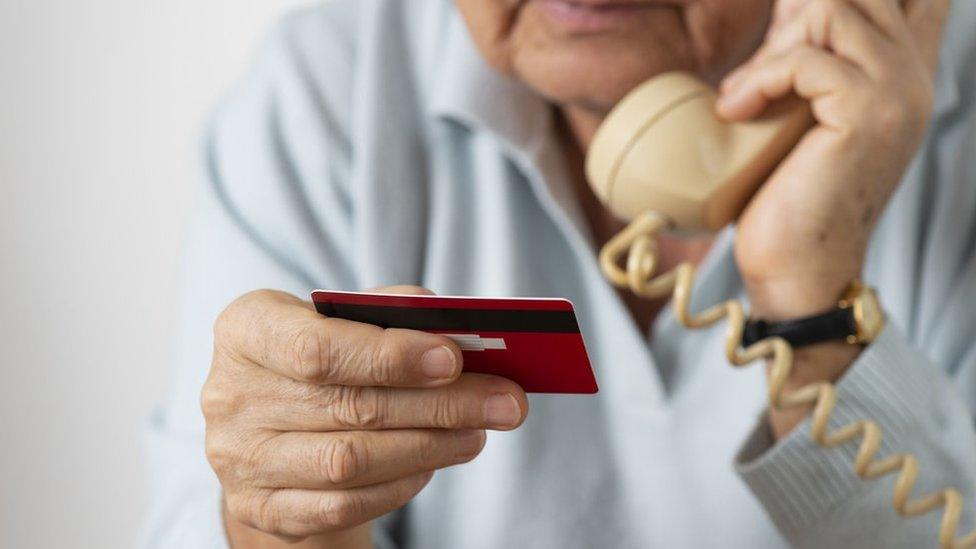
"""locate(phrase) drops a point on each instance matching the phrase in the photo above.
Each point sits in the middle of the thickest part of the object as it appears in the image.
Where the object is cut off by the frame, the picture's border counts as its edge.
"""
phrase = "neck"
(575, 129)
(581, 124)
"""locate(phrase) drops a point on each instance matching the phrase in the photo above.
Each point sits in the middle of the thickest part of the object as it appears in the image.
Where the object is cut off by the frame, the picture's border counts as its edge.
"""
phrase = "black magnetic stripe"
(475, 320)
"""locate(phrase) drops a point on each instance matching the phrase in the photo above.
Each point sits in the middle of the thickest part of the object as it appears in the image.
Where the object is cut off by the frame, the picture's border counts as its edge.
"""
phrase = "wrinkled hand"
(317, 425)
(866, 66)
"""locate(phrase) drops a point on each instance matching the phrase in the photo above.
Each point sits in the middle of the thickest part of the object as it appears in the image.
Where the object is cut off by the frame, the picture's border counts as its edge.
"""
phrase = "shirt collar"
(470, 92)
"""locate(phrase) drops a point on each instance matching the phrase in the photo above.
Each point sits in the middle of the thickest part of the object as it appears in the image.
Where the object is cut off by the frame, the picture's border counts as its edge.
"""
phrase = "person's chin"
(604, 58)
(593, 80)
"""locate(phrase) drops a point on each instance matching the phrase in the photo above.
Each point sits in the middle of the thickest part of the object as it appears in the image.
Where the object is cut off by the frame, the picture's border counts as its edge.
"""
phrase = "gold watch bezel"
(869, 317)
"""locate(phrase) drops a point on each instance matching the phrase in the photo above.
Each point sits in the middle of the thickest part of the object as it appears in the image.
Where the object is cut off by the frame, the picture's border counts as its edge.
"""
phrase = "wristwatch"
(858, 319)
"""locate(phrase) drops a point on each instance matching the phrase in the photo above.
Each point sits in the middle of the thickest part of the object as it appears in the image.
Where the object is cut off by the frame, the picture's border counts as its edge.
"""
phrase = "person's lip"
(591, 15)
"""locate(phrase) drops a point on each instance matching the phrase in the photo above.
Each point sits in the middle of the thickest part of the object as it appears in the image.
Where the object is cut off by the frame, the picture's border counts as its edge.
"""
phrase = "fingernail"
(502, 411)
(469, 443)
(438, 363)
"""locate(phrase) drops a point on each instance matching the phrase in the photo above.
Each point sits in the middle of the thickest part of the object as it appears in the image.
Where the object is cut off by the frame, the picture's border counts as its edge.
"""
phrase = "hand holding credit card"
(535, 342)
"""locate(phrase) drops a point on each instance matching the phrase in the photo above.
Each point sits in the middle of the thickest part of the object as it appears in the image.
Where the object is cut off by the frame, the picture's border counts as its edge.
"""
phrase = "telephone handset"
(663, 148)
(664, 161)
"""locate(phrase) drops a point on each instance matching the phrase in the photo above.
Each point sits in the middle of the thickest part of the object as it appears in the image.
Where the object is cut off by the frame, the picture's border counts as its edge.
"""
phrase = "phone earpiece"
(663, 148)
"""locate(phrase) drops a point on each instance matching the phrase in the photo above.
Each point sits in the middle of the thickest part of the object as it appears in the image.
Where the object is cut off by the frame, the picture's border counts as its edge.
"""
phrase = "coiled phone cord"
(637, 242)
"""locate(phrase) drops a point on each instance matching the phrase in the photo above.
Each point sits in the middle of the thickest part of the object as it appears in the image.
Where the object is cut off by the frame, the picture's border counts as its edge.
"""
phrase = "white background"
(101, 106)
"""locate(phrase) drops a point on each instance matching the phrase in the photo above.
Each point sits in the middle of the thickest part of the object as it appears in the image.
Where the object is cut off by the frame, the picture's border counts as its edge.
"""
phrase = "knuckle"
(220, 399)
(266, 515)
(220, 454)
(256, 510)
(337, 511)
(252, 457)
(358, 408)
(342, 459)
(385, 359)
(235, 461)
(311, 354)
(236, 507)
(312, 396)
(233, 465)
(448, 410)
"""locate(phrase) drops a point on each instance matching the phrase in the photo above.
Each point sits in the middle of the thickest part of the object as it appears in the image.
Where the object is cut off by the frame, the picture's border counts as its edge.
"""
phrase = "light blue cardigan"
(370, 145)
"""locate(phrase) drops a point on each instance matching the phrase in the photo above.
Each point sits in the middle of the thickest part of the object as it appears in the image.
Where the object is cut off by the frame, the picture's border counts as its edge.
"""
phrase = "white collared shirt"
(371, 145)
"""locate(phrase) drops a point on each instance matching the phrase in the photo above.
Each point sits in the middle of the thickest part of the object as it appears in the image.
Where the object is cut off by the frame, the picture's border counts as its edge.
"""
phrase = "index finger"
(282, 333)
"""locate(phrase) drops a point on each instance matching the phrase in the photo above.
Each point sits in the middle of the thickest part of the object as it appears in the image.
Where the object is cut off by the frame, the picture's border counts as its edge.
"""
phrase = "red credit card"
(535, 342)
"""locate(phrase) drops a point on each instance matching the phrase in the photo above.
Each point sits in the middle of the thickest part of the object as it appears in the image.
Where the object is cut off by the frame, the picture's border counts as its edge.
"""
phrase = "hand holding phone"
(866, 66)
(809, 188)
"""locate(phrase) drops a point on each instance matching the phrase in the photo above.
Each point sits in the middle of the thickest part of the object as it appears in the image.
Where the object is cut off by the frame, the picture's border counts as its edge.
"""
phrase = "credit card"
(535, 342)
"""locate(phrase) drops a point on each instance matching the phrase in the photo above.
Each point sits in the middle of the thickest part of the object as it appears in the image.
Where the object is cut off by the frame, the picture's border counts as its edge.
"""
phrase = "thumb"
(404, 289)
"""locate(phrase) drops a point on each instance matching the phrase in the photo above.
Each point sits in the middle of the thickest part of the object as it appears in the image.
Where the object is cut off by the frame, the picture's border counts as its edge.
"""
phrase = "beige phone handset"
(664, 161)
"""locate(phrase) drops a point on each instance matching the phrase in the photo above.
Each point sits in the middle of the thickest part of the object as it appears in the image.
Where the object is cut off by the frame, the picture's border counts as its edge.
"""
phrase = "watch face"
(868, 315)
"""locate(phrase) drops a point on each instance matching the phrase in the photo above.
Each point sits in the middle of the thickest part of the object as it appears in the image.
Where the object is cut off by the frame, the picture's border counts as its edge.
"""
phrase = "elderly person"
(439, 145)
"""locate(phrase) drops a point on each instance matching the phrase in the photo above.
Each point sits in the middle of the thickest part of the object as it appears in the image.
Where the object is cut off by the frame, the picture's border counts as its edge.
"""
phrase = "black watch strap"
(835, 325)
